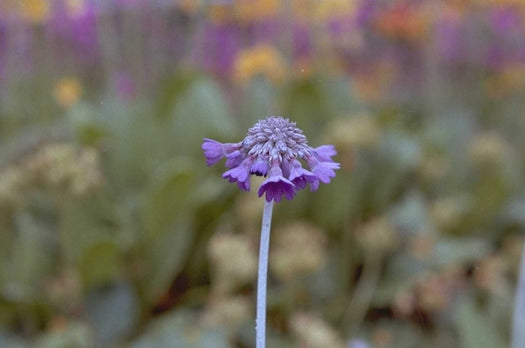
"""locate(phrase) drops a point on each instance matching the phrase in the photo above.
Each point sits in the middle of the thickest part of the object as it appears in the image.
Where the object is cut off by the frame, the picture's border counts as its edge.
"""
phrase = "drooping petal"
(213, 151)
(314, 185)
(275, 187)
(300, 176)
(325, 152)
(234, 159)
(240, 174)
(323, 170)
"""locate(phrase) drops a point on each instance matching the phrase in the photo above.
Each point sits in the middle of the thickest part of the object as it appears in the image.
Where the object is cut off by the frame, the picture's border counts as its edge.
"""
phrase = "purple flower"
(241, 174)
(125, 87)
(325, 152)
(323, 170)
(77, 27)
(273, 148)
(217, 46)
(260, 167)
(277, 185)
(300, 176)
(234, 159)
(215, 151)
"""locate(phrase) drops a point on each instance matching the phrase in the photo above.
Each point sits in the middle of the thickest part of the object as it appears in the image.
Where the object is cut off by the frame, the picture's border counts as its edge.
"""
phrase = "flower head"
(273, 148)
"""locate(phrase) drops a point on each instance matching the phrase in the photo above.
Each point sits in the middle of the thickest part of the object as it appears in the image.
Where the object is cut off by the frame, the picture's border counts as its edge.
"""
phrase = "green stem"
(518, 326)
(363, 293)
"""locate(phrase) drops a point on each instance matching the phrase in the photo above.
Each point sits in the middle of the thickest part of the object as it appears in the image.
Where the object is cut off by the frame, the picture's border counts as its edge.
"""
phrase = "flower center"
(275, 139)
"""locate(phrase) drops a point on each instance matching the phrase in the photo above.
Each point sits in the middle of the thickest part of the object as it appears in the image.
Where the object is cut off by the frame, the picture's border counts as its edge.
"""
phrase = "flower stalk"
(262, 275)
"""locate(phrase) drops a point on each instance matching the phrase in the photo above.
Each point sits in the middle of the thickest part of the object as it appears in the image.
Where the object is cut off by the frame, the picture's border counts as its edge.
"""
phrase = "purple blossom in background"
(450, 43)
(218, 45)
(77, 27)
(3, 46)
(366, 12)
(506, 22)
(302, 41)
(125, 86)
(265, 30)
(272, 148)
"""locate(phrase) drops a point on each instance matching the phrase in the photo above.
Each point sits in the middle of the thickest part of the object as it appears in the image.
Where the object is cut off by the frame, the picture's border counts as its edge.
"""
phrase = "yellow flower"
(328, 9)
(67, 91)
(35, 11)
(262, 59)
(220, 13)
(190, 7)
(256, 10)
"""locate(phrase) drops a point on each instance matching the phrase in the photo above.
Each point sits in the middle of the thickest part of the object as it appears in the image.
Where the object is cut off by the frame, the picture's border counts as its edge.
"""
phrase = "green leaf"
(476, 330)
(136, 146)
(171, 91)
(259, 100)
(201, 112)
(169, 195)
(180, 329)
(304, 102)
(164, 258)
(31, 258)
(83, 225)
(112, 311)
(100, 264)
(83, 119)
(454, 251)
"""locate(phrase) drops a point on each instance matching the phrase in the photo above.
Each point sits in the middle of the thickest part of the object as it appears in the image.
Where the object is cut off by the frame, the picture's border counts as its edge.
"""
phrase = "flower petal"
(325, 152)
(240, 174)
(213, 151)
(275, 187)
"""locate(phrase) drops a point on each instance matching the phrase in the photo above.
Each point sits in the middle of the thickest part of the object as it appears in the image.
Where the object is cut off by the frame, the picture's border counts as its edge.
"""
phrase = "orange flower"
(404, 22)
(509, 79)
(190, 7)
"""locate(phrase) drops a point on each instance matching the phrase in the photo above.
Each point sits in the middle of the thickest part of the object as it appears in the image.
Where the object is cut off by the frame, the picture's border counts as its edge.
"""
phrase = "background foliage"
(114, 233)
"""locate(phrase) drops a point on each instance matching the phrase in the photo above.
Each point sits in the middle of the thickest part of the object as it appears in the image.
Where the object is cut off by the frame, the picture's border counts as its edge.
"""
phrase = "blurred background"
(114, 233)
